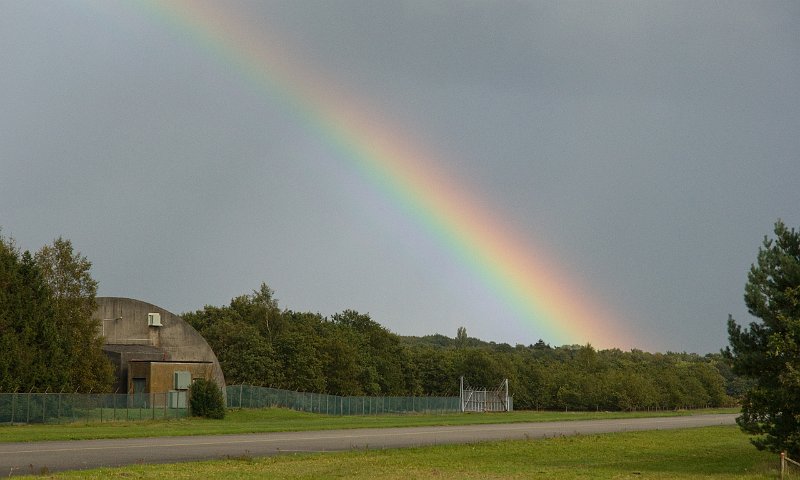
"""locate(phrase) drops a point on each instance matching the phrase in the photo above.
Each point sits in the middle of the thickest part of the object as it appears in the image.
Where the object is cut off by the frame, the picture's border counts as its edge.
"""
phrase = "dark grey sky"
(646, 146)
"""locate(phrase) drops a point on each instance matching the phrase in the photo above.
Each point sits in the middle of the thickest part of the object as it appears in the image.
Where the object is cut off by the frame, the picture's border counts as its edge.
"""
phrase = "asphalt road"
(22, 458)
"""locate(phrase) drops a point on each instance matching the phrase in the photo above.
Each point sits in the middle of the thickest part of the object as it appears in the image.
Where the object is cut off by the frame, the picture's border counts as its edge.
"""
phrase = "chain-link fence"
(248, 396)
(109, 407)
(81, 407)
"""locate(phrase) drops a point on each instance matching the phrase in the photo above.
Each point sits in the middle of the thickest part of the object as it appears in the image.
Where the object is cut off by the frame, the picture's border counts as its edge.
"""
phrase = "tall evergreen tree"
(769, 350)
(24, 313)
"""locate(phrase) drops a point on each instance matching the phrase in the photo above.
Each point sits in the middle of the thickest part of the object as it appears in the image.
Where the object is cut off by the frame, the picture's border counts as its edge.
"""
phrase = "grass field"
(282, 420)
(711, 452)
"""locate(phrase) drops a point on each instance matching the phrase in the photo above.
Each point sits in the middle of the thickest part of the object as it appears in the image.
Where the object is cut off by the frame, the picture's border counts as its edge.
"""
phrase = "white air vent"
(154, 319)
(183, 380)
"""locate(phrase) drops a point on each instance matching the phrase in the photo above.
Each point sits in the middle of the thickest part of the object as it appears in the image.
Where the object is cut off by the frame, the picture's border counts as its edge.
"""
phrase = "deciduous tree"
(67, 274)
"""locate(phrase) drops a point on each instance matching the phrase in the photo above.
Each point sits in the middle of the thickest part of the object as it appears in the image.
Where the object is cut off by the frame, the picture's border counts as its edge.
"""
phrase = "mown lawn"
(282, 420)
(699, 453)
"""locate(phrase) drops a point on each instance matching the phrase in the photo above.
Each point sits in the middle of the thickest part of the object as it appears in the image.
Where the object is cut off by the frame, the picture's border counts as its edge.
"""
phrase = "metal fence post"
(13, 404)
(783, 464)
(28, 417)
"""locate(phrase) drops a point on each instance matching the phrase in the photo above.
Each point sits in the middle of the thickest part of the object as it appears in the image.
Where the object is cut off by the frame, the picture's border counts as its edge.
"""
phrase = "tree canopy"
(47, 335)
(768, 351)
(349, 353)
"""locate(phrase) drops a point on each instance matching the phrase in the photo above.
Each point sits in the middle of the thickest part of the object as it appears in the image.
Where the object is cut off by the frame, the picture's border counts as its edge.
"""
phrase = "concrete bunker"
(154, 352)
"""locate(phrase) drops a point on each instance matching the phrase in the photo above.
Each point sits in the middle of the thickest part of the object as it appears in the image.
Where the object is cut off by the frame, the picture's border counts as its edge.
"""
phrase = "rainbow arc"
(518, 274)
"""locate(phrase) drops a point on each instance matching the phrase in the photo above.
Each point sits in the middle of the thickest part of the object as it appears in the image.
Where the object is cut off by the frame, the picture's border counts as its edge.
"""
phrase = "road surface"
(23, 458)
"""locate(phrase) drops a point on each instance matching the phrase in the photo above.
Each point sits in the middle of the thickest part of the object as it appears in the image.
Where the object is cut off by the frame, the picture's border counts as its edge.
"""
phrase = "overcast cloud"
(647, 146)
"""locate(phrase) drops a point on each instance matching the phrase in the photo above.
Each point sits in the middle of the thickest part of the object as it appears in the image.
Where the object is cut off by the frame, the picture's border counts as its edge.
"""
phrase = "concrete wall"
(120, 355)
(124, 321)
(160, 381)
(161, 374)
(139, 370)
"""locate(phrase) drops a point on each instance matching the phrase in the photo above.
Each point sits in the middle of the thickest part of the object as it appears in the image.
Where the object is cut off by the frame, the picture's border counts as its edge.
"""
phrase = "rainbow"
(537, 291)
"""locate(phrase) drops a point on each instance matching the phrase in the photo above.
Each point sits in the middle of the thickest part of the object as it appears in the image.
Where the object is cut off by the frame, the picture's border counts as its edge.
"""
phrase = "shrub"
(206, 400)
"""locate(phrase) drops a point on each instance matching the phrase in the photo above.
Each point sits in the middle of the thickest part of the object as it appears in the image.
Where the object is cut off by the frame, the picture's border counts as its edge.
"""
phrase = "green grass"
(699, 453)
(282, 420)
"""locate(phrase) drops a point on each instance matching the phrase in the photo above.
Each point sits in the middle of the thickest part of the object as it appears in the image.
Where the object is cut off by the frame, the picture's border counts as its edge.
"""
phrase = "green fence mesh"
(81, 407)
(109, 407)
(248, 396)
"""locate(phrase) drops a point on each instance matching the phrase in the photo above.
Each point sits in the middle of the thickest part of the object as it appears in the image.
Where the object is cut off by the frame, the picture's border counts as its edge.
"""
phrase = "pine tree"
(769, 351)
(33, 355)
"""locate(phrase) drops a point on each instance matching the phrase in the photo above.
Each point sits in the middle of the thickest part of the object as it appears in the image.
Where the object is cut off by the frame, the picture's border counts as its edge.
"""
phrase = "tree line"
(348, 353)
(49, 341)
(48, 338)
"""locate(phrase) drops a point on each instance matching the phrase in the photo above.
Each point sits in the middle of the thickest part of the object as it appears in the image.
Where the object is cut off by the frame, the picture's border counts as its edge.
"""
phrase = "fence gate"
(485, 400)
